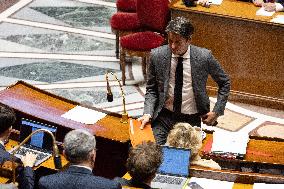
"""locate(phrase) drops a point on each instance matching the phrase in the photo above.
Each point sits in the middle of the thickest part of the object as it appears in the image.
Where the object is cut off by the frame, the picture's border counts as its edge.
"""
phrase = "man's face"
(177, 43)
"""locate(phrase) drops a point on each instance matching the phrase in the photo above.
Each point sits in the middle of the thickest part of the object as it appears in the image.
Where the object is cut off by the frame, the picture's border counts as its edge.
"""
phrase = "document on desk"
(278, 19)
(84, 115)
(203, 183)
(262, 12)
(267, 186)
(229, 142)
(216, 2)
(137, 135)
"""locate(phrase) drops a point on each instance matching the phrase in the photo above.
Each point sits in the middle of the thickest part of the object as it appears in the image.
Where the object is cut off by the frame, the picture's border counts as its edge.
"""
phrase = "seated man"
(183, 135)
(142, 164)
(26, 174)
(270, 6)
(80, 150)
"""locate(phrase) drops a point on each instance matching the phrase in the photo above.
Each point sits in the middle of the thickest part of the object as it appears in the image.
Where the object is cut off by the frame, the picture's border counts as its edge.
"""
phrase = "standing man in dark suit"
(176, 83)
(26, 174)
(80, 150)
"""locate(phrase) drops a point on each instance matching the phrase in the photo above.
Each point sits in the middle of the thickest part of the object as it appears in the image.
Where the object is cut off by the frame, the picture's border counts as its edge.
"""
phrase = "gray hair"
(181, 26)
(78, 144)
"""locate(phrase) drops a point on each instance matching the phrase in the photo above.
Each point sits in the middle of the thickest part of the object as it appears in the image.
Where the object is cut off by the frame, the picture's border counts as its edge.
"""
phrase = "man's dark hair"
(7, 118)
(181, 26)
(144, 160)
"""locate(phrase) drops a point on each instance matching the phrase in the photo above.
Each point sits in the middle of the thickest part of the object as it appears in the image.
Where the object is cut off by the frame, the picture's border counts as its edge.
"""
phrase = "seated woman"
(142, 164)
(270, 5)
(183, 135)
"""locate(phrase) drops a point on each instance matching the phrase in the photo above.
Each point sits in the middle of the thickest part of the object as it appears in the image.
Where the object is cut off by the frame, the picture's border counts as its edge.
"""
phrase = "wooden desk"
(262, 155)
(249, 47)
(111, 135)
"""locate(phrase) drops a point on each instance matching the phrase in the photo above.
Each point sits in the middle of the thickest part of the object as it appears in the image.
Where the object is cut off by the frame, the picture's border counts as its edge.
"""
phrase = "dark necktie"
(178, 86)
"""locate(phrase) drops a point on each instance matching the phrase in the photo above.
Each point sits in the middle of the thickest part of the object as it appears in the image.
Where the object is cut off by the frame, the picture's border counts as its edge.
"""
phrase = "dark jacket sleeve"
(223, 81)
(281, 2)
(26, 178)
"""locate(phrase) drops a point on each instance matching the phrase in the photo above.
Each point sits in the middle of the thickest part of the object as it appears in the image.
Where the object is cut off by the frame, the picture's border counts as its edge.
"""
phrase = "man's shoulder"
(200, 50)
(160, 49)
(89, 180)
(106, 182)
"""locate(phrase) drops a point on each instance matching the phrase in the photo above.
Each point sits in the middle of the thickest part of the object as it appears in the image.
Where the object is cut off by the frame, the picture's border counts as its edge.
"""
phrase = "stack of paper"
(262, 12)
(229, 142)
(203, 183)
(267, 186)
(278, 19)
(83, 115)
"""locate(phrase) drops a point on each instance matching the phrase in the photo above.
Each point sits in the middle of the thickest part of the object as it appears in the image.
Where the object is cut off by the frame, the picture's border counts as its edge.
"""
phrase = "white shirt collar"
(82, 167)
(1, 142)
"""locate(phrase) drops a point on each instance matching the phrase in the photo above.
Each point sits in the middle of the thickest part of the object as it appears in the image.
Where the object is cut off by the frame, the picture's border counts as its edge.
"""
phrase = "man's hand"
(270, 7)
(144, 119)
(29, 159)
(258, 3)
(204, 3)
(209, 118)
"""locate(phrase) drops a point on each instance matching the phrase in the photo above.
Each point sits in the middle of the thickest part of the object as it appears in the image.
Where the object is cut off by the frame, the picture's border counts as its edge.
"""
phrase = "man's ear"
(64, 154)
(93, 155)
(7, 133)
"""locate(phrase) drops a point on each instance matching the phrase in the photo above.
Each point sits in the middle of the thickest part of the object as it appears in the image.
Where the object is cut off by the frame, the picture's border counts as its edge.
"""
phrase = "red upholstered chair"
(154, 16)
(123, 6)
(126, 5)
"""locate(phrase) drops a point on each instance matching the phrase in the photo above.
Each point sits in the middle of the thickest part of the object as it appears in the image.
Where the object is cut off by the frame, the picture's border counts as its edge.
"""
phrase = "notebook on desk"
(174, 170)
(40, 143)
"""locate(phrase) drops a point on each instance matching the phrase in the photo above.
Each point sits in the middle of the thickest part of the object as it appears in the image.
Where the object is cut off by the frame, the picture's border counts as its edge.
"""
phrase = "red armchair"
(123, 6)
(153, 15)
(126, 5)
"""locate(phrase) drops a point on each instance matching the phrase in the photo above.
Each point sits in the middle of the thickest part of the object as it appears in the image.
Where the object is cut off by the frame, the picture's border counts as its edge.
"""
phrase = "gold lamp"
(124, 115)
(56, 155)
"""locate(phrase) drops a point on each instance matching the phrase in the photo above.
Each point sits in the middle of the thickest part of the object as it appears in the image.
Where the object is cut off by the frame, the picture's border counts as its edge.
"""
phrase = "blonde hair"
(183, 135)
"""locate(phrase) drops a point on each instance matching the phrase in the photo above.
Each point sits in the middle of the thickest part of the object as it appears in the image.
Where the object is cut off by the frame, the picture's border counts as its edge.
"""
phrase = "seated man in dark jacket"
(80, 150)
(142, 164)
(26, 174)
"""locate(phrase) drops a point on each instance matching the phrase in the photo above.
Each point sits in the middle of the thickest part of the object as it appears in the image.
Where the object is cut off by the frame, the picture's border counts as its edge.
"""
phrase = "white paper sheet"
(278, 19)
(83, 115)
(210, 183)
(267, 186)
(229, 142)
(262, 12)
(216, 2)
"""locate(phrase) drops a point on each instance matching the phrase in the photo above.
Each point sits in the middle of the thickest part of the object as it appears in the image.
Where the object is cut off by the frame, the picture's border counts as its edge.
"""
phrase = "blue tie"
(178, 86)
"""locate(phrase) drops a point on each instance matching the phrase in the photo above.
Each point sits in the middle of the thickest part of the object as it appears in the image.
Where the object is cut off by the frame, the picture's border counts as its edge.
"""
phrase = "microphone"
(124, 115)
(56, 157)
(109, 93)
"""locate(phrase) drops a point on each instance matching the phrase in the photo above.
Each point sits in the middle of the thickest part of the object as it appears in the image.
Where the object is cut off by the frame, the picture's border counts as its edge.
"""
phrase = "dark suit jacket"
(26, 174)
(281, 2)
(131, 183)
(76, 178)
(202, 63)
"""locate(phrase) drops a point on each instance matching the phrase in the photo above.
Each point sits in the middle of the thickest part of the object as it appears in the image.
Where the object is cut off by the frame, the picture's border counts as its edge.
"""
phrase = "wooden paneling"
(249, 48)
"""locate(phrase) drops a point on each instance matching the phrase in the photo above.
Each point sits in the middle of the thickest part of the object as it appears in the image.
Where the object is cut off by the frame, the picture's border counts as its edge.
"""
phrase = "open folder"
(137, 135)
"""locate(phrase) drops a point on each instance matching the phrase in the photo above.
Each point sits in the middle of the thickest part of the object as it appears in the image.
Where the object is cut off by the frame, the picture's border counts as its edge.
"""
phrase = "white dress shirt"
(188, 105)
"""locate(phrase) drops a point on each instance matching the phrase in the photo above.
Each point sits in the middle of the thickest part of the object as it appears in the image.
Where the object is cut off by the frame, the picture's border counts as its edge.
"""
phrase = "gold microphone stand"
(55, 148)
(124, 115)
